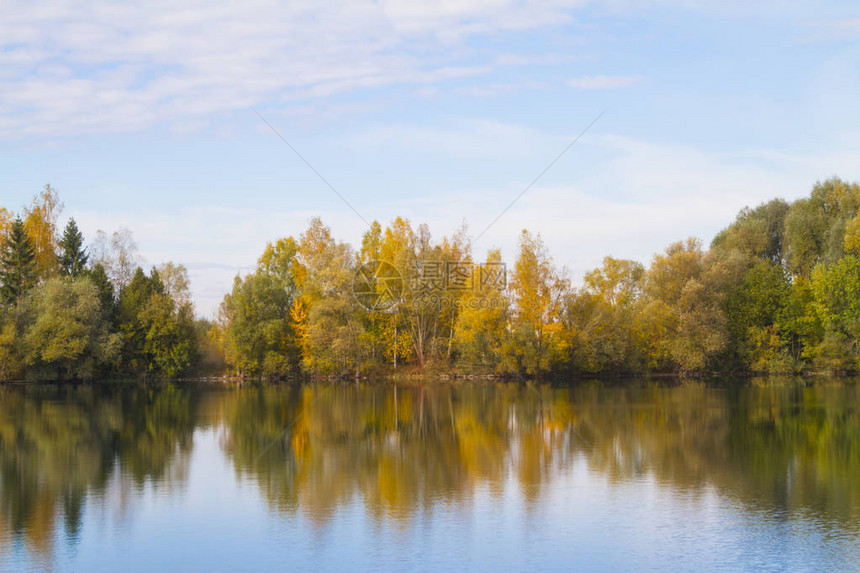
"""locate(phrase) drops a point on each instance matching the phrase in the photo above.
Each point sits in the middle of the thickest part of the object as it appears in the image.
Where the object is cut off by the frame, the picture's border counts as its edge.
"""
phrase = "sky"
(153, 116)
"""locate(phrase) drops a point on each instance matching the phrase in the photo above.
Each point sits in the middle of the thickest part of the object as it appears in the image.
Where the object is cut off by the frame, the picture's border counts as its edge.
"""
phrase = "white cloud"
(74, 68)
(604, 82)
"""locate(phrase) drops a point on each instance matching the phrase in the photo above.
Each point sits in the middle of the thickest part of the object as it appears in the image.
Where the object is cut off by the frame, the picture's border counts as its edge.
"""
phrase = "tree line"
(778, 290)
(69, 312)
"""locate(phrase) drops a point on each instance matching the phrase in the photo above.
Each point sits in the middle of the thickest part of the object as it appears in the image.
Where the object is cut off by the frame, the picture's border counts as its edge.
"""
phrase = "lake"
(736, 475)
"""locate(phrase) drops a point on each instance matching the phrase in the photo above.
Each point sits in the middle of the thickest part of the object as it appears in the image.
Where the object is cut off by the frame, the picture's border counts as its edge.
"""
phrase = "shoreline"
(443, 377)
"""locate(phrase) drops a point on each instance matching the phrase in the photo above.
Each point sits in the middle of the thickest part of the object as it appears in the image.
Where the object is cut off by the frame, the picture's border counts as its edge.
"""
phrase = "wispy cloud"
(604, 82)
(100, 67)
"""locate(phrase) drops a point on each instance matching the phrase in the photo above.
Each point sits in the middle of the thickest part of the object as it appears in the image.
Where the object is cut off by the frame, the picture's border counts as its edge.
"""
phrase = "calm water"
(489, 477)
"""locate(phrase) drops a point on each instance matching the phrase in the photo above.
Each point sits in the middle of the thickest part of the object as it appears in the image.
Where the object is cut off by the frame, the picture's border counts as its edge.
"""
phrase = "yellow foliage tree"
(40, 221)
(538, 343)
(6, 218)
(481, 325)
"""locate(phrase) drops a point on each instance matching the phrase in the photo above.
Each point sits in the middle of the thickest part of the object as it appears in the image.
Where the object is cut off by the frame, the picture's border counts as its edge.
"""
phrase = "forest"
(777, 291)
(70, 312)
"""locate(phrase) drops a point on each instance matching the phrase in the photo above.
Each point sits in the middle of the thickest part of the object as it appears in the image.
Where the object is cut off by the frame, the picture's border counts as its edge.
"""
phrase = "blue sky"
(144, 117)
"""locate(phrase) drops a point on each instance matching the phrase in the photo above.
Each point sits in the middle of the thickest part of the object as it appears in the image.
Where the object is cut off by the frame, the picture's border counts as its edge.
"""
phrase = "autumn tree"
(177, 285)
(332, 333)
(374, 320)
(371, 244)
(537, 341)
(466, 285)
(683, 304)
(481, 326)
(403, 330)
(437, 278)
(6, 218)
(40, 221)
(851, 241)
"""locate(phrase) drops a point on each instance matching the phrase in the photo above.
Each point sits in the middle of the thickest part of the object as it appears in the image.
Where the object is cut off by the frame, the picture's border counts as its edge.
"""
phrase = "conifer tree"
(17, 263)
(73, 258)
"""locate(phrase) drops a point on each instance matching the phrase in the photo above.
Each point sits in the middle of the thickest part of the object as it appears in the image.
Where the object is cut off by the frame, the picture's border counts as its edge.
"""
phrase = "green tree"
(799, 324)
(836, 290)
(66, 336)
(158, 331)
(131, 303)
(73, 257)
(254, 327)
(17, 264)
(107, 298)
(755, 308)
(758, 232)
(815, 227)
(11, 364)
(170, 343)
(603, 321)
(259, 320)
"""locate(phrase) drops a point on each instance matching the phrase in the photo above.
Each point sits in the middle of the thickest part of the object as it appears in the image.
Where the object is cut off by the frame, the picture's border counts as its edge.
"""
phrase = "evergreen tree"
(17, 264)
(73, 258)
(107, 299)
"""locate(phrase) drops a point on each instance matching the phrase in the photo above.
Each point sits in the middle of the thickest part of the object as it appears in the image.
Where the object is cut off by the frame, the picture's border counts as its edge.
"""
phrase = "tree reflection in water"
(409, 450)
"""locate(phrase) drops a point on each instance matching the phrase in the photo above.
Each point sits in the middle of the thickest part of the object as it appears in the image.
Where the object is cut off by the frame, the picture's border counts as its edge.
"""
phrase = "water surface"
(465, 477)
